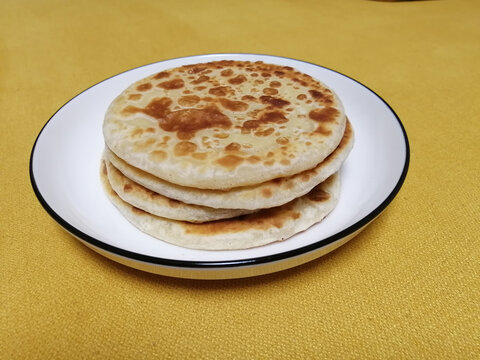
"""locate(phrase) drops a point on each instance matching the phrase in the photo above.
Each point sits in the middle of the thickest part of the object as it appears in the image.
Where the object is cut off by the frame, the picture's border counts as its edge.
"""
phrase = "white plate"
(64, 171)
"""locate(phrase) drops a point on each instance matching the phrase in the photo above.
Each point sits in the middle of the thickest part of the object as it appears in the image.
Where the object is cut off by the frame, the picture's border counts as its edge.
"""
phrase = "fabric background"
(407, 287)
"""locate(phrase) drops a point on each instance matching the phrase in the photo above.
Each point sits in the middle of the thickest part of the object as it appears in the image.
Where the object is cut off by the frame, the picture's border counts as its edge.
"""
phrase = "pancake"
(160, 205)
(225, 124)
(256, 229)
(267, 194)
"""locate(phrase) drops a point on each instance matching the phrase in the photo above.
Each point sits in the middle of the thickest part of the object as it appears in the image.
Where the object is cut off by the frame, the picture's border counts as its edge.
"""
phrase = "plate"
(64, 172)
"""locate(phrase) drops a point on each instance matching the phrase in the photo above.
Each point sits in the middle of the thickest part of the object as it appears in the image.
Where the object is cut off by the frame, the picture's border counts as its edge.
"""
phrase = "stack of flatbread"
(226, 154)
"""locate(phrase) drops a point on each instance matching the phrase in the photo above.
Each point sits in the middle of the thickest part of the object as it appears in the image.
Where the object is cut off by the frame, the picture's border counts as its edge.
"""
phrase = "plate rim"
(193, 264)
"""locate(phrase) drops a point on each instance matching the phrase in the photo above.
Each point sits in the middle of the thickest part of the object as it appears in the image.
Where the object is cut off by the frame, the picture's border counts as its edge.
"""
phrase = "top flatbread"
(225, 124)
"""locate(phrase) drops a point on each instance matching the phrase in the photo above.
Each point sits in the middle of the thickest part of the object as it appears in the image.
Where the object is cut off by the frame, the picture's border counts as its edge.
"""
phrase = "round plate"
(65, 161)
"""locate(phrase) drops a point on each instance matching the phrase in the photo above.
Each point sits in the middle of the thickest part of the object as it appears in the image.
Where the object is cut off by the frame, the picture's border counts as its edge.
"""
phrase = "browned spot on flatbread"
(261, 220)
(164, 142)
(282, 140)
(305, 176)
(221, 135)
(288, 185)
(322, 130)
(149, 141)
(275, 84)
(139, 146)
(233, 146)
(162, 75)
(136, 132)
(269, 117)
(200, 79)
(278, 181)
(237, 80)
(226, 72)
(266, 193)
(221, 63)
(233, 105)
(300, 81)
(189, 100)
(143, 145)
(270, 91)
(157, 108)
(200, 156)
(127, 187)
(134, 96)
(266, 132)
(323, 116)
(253, 159)
(230, 161)
(157, 155)
(318, 195)
(249, 98)
(184, 148)
(220, 91)
(173, 203)
(144, 87)
(187, 122)
(275, 102)
(324, 97)
(254, 113)
(151, 194)
(171, 84)
(195, 69)
(138, 211)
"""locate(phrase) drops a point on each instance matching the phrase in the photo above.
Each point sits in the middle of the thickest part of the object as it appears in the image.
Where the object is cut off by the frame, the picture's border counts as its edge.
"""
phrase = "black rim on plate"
(227, 263)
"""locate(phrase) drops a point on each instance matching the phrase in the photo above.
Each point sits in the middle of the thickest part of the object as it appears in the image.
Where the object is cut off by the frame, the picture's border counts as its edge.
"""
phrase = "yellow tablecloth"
(407, 287)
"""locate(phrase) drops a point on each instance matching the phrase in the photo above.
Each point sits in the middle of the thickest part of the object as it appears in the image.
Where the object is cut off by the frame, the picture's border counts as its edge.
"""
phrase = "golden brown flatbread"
(225, 124)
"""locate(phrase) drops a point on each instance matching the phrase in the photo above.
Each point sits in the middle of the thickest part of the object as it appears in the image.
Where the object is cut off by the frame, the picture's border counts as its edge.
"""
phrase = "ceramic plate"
(64, 171)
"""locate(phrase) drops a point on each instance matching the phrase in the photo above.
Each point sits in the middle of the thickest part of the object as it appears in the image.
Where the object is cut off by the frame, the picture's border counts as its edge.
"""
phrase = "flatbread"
(225, 124)
(256, 229)
(265, 195)
(159, 205)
